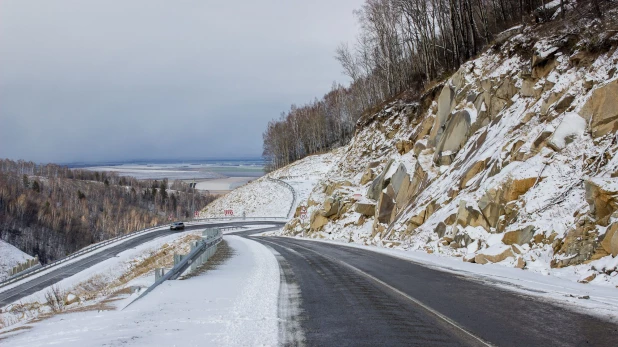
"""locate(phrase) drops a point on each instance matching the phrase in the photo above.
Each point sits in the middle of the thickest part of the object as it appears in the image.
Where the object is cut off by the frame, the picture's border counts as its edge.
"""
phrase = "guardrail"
(288, 186)
(199, 254)
(101, 244)
(76, 254)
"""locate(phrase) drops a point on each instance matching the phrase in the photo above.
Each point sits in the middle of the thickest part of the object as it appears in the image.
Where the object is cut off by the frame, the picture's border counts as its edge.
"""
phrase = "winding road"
(355, 297)
(31, 285)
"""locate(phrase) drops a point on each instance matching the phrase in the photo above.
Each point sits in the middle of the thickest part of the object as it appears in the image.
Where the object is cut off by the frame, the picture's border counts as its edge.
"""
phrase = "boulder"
(541, 140)
(601, 109)
(518, 237)
(365, 208)
(517, 187)
(403, 146)
(385, 209)
(379, 183)
(472, 171)
(398, 178)
(610, 240)
(469, 216)
(578, 246)
(367, 177)
(520, 263)
(318, 222)
(456, 133)
(445, 105)
(602, 196)
(331, 207)
(494, 254)
(440, 229)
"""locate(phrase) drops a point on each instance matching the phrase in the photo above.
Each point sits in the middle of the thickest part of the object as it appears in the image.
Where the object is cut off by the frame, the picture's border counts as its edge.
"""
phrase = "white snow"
(260, 198)
(571, 127)
(232, 305)
(9, 257)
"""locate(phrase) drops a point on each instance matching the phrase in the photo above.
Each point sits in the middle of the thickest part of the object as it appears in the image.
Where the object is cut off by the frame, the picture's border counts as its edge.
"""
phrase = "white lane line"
(415, 301)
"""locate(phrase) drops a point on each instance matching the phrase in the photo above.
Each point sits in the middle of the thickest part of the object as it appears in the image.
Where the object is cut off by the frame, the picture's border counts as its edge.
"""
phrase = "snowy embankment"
(232, 305)
(9, 257)
(265, 198)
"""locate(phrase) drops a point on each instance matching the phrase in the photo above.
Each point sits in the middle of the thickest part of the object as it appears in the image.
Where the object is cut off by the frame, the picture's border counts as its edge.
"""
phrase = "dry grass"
(223, 253)
(98, 289)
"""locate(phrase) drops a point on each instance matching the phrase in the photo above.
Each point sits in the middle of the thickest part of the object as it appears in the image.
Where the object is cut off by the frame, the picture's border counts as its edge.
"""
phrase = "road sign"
(197, 213)
(170, 217)
(303, 213)
(228, 213)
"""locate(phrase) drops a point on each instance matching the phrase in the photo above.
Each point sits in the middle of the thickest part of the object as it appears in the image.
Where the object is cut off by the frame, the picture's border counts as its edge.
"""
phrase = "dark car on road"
(177, 226)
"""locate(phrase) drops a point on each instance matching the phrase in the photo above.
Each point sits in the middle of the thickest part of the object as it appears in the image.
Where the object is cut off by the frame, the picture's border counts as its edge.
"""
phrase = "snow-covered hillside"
(267, 198)
(512, 160)
(9, 257)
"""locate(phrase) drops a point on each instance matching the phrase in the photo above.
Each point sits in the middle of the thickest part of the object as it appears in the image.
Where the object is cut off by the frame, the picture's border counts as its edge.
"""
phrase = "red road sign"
(228, 212)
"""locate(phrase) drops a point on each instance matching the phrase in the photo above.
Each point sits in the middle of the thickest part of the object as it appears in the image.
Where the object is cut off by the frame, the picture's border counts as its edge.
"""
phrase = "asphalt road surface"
(355, 297)
(38, 283)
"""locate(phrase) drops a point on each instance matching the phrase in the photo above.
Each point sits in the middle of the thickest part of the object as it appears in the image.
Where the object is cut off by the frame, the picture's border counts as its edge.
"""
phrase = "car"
(177, 226)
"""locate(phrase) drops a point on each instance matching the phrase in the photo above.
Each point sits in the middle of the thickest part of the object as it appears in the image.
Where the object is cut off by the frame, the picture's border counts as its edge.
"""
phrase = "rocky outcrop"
(379, 183)
(455, 135)
(365, 208)
(494, 254)
(601, 109)
(469, 216)
(518, 237)
(445, 105)
(610, 240)
(602, 196)
(318, 222)
(331, 207)
(385, 211)
(494, 202)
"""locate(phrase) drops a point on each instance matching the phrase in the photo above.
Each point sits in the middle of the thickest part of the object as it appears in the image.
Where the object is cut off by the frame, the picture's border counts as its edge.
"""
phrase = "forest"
(52, 211)
(403, 46)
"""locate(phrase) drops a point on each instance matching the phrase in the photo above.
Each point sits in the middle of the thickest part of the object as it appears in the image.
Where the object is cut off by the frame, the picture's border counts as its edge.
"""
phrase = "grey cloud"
(113, 80)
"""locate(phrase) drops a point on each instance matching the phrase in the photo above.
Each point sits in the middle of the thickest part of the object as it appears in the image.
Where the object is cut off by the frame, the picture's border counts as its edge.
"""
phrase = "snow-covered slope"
(9, 257)
(512, 160)
(266, 198)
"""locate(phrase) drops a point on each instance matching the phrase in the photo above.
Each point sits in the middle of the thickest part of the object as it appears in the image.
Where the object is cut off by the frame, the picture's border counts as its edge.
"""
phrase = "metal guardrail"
(203, 248)
(101, 244)
(288, 186)
(76, 254)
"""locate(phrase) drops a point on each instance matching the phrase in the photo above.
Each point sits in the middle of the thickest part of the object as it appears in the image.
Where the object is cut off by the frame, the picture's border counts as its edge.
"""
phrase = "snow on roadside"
(232, 305)
(9, 257)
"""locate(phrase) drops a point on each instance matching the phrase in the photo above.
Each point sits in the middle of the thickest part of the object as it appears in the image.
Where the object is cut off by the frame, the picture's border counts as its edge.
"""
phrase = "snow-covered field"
(232, 305)
(9, 257)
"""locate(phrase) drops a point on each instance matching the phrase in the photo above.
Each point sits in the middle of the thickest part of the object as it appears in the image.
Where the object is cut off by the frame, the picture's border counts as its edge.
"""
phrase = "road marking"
(412, 299)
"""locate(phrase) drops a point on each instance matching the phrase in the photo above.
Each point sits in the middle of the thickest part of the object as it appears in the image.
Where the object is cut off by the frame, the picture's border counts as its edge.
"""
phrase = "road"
(38, 283)
(355, 297)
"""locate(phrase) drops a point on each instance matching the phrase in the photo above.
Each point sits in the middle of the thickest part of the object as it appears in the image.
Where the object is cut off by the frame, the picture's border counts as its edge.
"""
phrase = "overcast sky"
(103, 80)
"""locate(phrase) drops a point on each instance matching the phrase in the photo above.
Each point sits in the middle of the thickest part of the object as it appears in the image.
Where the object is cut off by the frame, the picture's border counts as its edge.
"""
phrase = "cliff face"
(510, 160)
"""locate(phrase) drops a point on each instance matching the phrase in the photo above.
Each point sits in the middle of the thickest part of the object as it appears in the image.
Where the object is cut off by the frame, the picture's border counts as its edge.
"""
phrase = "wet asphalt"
(355, 297)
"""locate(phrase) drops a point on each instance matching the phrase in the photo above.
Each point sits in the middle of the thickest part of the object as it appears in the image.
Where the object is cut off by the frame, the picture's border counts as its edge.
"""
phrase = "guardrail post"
(178, 258)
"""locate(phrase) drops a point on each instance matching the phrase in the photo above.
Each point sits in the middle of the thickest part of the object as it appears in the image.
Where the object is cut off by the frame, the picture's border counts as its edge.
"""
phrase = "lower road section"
(35, 284)
(355, 297)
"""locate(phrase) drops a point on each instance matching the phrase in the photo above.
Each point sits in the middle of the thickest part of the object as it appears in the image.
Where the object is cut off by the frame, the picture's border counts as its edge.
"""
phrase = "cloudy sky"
(103, 80)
